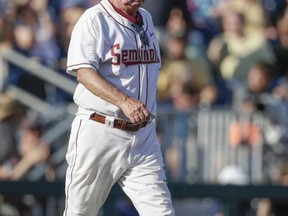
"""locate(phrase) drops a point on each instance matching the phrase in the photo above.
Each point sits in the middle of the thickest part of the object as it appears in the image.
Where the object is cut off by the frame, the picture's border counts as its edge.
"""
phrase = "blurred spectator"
(24, 41)
(253, 14)
(68, 18)
(280, 93)
(180, 81)
(160, 11)
(46, 48)
(36, 16)
(261, 96)
(184, 97)
(281, 47)
(31, 150)
(11, 114)
(202, 11)
(255, 95)
(34, 34)
(233, 52)
(277, 132)
(209, 97)
(179, 74)
(204, 18)
(176, 23)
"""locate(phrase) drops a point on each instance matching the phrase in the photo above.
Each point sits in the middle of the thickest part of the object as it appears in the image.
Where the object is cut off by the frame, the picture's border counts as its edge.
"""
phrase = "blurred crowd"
(215, 53)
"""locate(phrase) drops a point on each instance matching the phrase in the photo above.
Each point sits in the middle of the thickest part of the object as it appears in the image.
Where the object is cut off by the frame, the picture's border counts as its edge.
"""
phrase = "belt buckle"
(109, 121)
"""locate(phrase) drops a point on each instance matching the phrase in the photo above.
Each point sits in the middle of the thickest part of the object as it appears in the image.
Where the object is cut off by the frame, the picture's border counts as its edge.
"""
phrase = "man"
(114, 53)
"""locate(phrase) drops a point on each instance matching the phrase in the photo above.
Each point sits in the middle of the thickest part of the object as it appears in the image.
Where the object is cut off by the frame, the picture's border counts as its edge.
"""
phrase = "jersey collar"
(138, 20)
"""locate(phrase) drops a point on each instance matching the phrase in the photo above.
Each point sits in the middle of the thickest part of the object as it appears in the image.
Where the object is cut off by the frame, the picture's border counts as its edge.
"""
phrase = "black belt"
(117, 123)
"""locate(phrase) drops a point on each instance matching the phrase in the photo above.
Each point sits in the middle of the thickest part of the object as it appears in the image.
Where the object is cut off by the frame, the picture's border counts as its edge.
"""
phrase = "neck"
(126, 8)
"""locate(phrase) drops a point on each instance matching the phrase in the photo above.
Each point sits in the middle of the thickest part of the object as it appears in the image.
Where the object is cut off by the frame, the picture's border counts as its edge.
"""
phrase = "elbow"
(85, 75)
(80, 76)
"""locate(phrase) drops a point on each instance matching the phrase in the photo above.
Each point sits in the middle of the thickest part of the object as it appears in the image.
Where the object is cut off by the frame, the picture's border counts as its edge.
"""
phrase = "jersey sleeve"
(82, 51)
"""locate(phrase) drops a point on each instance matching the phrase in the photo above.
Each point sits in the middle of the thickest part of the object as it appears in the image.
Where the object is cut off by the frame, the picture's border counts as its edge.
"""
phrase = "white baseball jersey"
(104, 39)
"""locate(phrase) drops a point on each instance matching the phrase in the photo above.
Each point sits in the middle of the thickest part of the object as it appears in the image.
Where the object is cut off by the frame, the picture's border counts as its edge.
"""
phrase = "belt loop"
(109, 121)
(123, 125)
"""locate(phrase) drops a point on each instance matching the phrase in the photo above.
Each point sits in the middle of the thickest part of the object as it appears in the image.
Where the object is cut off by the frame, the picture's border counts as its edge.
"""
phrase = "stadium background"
(222, 115)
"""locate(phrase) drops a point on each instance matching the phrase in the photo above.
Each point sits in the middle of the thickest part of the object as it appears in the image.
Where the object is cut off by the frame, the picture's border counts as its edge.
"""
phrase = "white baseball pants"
(99, 156)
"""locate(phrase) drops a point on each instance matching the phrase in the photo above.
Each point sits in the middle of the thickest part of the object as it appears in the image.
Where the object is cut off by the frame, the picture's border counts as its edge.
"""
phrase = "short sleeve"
(82, 51)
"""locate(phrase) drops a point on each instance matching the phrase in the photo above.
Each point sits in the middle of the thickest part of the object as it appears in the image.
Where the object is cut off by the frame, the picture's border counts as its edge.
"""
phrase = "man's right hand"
(135, 110)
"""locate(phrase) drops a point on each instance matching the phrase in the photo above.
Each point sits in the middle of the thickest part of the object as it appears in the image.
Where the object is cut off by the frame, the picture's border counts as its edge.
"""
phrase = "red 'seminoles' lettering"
(133, 56)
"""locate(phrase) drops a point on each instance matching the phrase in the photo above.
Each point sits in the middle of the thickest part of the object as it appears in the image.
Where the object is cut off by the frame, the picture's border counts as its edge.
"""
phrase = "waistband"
(112, 122)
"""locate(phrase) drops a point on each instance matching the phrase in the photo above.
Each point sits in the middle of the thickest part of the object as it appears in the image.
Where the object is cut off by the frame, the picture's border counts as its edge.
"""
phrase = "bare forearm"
(134, 109)
(100, 87)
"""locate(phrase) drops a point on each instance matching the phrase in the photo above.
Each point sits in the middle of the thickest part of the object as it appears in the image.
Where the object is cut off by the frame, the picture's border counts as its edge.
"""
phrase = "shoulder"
(95, 12)
(143, 10)
(145, 14)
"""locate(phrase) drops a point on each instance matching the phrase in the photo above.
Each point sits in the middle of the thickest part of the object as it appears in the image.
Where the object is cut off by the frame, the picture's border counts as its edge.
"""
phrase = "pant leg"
(96, 159)
(145, 182)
